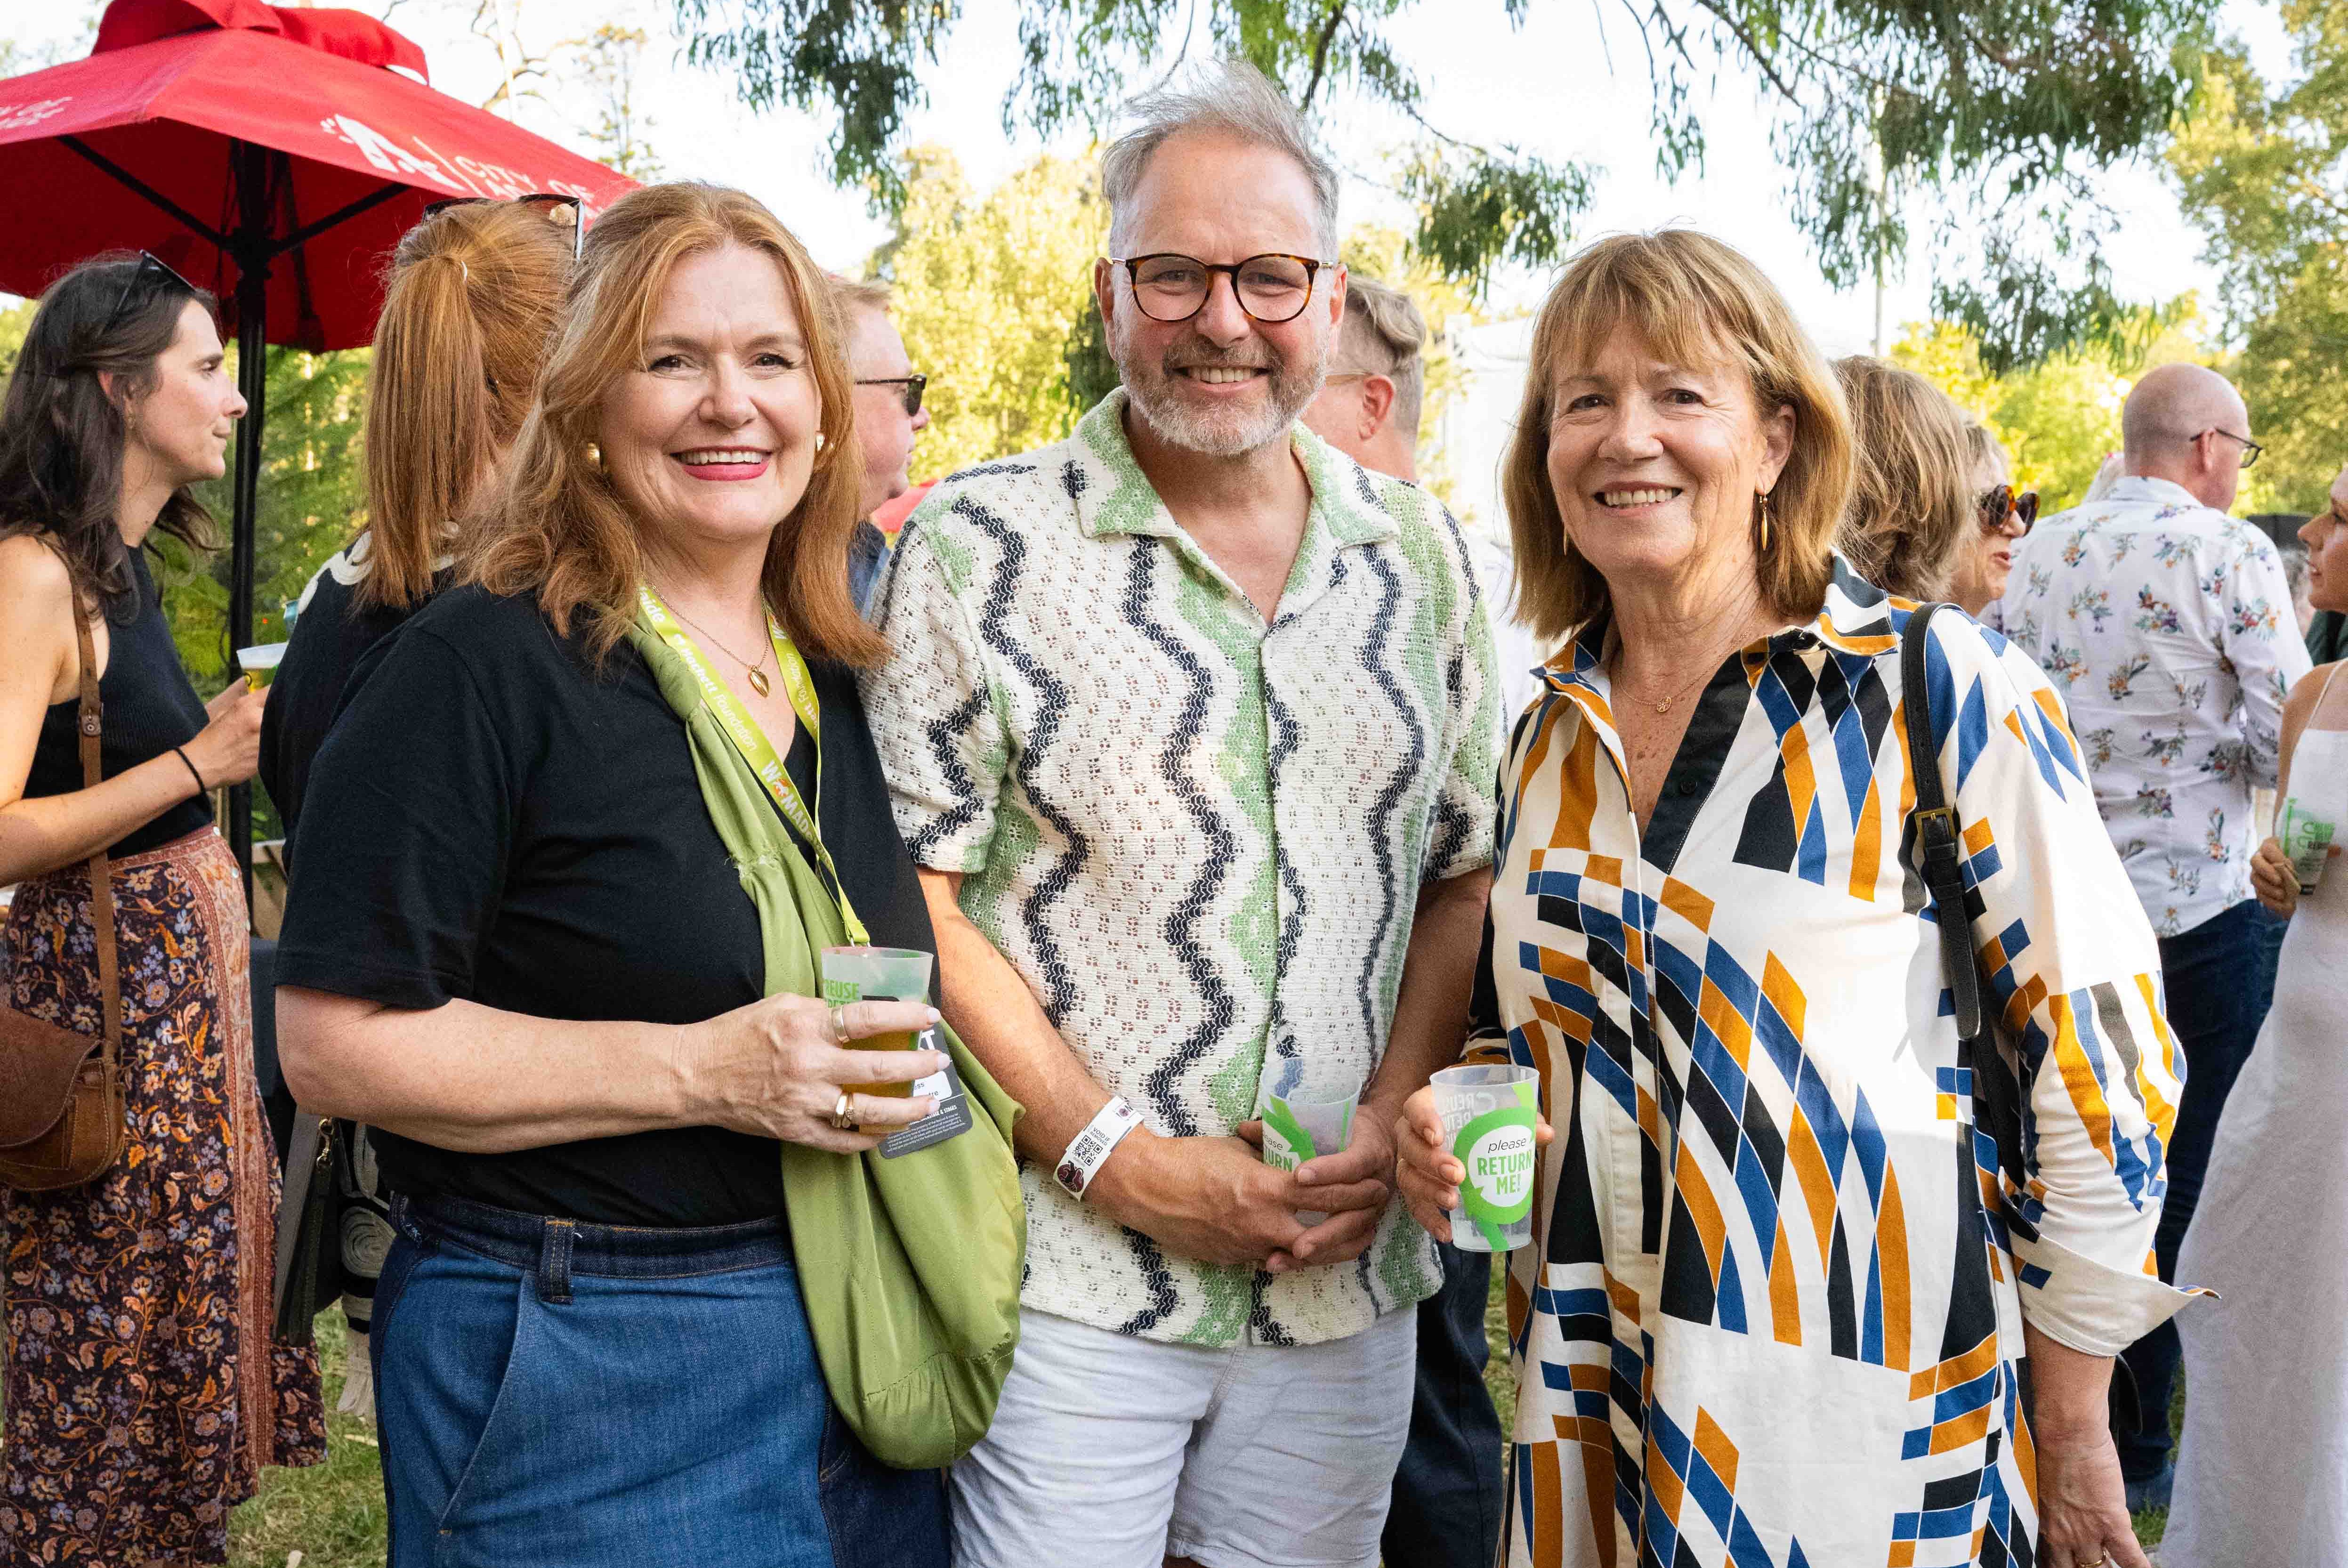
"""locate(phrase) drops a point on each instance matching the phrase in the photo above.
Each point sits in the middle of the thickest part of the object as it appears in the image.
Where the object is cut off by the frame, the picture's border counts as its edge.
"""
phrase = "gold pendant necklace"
(757, 671)
(758, 679)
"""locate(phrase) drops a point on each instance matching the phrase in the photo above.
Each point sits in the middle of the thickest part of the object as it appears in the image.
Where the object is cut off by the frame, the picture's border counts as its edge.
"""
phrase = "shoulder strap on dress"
(101, 874)
(1940, 842)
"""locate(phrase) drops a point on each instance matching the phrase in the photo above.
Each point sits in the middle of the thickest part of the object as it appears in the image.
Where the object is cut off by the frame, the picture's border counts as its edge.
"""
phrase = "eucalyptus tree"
(2004, 109)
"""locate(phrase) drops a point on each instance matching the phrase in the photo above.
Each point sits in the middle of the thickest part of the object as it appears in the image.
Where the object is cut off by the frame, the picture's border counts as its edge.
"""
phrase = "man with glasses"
(2170, 626)
(1188, 729)
(889, 417)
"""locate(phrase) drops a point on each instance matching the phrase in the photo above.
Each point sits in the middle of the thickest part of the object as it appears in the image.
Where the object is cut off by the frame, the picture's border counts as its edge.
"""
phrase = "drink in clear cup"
(260, 663)
(1488, 1114)
(877, 974)
(1295, 1130)
(2306, 838)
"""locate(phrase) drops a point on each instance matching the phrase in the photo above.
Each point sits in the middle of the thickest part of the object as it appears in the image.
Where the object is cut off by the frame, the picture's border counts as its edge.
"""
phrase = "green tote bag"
(909, 1267)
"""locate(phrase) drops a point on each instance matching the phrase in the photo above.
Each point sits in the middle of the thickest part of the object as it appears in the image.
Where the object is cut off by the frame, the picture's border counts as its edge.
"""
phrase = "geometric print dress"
(1772, 1313)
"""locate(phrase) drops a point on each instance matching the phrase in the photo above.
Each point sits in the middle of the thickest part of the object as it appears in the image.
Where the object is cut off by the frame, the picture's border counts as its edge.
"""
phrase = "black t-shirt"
(491, 819)
(332, 633)
(150, 708)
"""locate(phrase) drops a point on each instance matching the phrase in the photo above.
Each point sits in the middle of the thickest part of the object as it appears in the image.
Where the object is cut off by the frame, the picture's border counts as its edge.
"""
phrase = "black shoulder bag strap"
(1940, 845)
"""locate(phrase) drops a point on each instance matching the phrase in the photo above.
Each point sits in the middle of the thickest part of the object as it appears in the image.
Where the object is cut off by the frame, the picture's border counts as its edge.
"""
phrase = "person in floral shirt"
(2168, 627)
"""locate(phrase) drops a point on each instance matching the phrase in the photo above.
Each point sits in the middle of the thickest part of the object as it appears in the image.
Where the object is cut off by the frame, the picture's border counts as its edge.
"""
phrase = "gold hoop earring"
(1768, 509)
(819, 440)
(595, 456)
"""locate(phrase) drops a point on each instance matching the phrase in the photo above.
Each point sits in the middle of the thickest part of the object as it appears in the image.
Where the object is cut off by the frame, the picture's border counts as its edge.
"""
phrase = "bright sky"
(1557, 88)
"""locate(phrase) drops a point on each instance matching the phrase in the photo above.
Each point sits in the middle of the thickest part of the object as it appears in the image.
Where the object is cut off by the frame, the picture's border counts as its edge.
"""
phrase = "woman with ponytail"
(474, 291)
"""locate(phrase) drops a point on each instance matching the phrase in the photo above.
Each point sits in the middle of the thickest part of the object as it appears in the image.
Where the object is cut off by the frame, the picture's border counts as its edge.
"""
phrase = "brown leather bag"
(61, 1116)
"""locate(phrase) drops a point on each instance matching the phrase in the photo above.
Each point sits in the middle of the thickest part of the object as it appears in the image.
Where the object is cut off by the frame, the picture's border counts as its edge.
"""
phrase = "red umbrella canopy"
(214, 131)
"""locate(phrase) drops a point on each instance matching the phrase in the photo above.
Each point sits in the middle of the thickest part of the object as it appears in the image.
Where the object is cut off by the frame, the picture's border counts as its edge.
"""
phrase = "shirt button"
(1687, 786)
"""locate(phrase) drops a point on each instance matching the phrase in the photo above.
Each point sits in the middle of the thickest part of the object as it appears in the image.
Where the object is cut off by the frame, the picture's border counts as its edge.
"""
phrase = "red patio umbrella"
(273, 154)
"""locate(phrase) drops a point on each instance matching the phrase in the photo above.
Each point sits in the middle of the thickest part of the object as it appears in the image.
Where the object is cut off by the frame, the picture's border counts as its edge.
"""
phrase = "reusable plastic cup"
(877, 974)
(2307, 838)
(1488, 1113)
(1295, 1130)
(260, 663)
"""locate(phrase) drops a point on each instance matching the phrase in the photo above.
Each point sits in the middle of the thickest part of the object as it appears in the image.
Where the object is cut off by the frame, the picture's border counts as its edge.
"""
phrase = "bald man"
(2169, 625)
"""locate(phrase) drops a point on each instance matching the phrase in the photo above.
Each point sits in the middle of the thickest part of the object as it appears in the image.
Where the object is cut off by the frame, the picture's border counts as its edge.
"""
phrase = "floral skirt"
(143, 1393)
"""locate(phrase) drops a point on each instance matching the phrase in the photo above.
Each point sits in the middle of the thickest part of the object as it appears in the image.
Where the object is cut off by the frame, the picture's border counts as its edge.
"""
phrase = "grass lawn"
(333, 1513)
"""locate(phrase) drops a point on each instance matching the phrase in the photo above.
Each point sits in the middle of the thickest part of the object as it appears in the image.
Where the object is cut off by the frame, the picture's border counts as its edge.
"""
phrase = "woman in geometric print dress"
(2263, 1465)
(1767, 1317)
(143, 1393)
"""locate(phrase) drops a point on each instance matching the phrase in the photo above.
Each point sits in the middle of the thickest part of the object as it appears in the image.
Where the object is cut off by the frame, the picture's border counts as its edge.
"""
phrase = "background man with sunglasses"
(2170, 624)
(1189, 728)
(889, 417)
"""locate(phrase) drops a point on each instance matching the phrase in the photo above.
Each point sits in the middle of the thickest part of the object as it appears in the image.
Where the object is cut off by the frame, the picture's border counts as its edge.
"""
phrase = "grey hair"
(1232, 98)
(1385, 336)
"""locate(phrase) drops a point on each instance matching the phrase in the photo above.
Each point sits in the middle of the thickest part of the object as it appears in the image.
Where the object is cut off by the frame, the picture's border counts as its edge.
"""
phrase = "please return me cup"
(1488, 1114)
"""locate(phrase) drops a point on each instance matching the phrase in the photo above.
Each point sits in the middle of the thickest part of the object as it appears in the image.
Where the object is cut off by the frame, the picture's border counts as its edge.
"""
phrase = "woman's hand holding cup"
(777, 1068)
(1427, 1171)
(227, 751)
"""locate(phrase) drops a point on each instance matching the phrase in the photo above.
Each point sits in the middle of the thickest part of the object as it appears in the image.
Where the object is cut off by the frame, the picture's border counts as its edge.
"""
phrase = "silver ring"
(840, 1035)
(843, 1122)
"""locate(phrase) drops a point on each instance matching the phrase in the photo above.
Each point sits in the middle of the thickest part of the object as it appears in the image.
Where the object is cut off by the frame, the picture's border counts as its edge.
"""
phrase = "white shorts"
(1109, 1451)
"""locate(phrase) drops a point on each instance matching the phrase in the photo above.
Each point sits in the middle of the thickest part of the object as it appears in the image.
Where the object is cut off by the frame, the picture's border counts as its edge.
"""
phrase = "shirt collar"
(2145, 488)
(1112, 496)
(1855, 619)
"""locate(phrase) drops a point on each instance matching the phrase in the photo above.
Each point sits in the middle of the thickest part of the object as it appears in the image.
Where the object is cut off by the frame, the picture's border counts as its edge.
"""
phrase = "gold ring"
(843, 1122)
(839, 1035)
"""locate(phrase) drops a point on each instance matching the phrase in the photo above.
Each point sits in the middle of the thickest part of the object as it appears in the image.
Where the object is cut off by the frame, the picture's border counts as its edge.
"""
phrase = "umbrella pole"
(251, 241)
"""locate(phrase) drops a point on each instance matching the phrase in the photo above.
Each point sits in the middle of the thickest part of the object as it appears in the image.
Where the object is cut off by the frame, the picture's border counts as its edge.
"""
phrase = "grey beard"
(1154, 394)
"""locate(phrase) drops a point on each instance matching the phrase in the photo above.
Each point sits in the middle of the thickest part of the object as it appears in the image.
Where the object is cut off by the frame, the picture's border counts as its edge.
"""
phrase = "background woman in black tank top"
(119, 402)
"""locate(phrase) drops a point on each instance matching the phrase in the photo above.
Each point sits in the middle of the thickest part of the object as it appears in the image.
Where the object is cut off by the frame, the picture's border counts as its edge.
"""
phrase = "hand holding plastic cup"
(1489, 1115)
(260, 663)
(2306, 838)
(1296, 1130)
(878, 975)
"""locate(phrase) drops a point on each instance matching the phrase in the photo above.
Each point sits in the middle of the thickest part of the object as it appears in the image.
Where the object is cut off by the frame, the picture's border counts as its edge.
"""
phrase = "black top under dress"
(150, 707)
(331, 635)
(491, 819)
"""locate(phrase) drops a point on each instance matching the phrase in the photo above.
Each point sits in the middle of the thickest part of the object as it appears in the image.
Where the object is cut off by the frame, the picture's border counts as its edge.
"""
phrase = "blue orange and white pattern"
(2168, 627)
(1198, 837)
(1772, 1313)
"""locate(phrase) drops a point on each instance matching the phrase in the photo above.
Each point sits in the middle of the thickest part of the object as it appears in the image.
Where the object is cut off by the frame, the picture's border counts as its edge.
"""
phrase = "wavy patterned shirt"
(1768, 1317)
(1199, 839)
(2167, 626)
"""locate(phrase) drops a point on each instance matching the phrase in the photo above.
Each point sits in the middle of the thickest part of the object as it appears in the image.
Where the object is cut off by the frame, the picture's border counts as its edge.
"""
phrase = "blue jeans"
(1447, 1493)
(2218, 981)
(596, 1396)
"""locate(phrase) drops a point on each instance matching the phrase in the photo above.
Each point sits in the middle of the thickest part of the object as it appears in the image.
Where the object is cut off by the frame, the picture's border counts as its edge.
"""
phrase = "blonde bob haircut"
(1695, 302)
(1912, 513)
(561, 529)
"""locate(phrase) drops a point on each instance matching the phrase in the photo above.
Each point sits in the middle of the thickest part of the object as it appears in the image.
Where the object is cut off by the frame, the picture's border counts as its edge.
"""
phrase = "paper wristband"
(1089, 1150)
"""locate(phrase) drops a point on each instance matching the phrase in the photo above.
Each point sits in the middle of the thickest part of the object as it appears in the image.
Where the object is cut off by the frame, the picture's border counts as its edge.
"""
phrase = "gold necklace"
(757, 671)
(1665, 706)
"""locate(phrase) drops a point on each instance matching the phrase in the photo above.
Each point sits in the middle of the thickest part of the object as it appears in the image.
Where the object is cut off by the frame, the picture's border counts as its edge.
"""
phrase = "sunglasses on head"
(150, 265)
(563, 212)
(912, 385)
(2002, 502)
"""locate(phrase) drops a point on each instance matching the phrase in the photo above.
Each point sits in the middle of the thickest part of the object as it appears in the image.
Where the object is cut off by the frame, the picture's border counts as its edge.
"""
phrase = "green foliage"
(607, 61)
(15, 322)
(986, 291)
(2057, 420)
(2265, 174)
(2003, 106)
(313, 492)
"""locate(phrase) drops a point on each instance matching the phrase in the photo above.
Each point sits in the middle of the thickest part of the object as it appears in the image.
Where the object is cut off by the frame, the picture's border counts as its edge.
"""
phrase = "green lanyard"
(753, 744)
